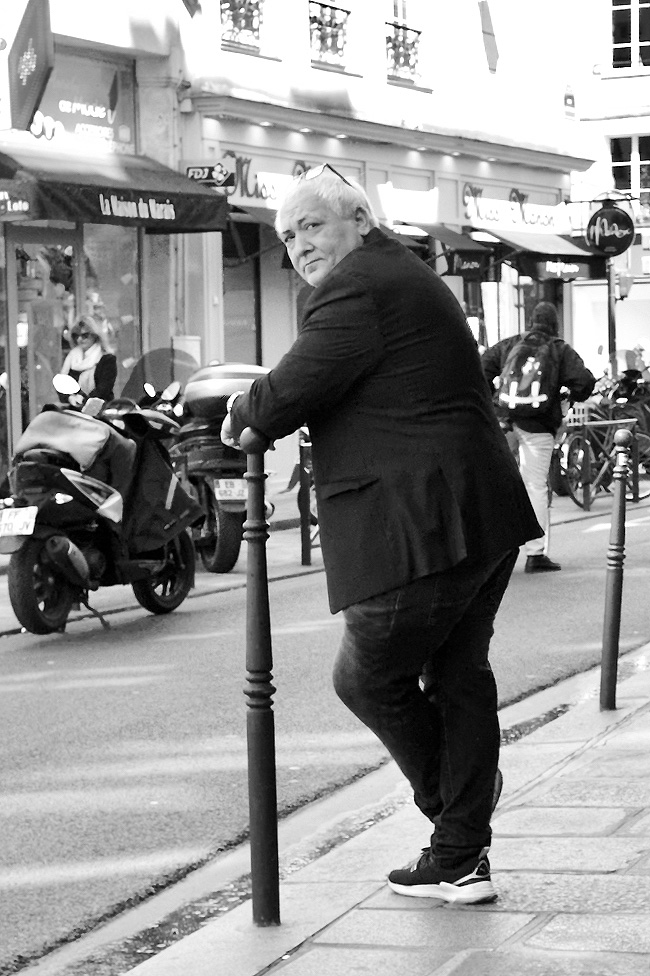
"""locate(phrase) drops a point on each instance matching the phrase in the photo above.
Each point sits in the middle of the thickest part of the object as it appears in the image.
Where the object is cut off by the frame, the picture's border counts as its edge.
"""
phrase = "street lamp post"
(611, 317)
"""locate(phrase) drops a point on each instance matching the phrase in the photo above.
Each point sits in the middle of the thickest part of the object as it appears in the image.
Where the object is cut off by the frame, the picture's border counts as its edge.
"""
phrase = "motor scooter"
(210, 471)
(94, 504)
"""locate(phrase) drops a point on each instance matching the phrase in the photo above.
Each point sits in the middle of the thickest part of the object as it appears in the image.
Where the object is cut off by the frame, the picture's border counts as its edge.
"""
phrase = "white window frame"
(641, 208)
(635, 44)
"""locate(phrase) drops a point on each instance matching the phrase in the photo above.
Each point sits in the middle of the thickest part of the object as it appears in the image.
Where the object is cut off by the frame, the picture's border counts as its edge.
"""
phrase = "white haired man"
(421, 510)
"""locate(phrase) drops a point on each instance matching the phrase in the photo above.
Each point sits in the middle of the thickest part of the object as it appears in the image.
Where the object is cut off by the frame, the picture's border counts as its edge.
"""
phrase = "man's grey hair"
(343, 198)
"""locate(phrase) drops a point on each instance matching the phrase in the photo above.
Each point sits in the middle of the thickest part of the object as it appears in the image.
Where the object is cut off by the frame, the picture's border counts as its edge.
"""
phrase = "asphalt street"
(123, 751)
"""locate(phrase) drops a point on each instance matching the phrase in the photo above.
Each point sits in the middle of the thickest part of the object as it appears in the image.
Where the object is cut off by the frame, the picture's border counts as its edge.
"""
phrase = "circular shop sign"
(610, 230)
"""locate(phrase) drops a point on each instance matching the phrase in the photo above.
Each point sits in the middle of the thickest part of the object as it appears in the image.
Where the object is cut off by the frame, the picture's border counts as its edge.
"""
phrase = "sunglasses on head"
(312, 174)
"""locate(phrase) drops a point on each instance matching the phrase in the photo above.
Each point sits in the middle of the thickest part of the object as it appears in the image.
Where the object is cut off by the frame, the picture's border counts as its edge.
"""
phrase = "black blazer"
(412, 471)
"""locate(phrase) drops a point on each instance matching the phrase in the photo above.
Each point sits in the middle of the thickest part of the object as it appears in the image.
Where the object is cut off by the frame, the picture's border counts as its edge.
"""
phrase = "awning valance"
(407, 239)
(259, 215)
(548, 245)
(452, 238)
(134, 191)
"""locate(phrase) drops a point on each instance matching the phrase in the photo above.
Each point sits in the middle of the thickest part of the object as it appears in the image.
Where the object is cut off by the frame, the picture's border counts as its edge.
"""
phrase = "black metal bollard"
(614, 582)
(259, 690)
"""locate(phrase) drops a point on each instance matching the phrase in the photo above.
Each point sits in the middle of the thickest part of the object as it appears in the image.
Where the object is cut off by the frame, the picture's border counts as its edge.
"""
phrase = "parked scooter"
(92, 505)
(209, 470)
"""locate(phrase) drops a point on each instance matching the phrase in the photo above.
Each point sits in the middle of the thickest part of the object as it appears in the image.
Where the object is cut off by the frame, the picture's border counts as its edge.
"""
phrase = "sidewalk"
(570, 859)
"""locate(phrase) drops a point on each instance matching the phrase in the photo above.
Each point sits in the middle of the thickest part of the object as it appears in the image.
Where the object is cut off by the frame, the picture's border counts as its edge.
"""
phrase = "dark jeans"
(445, 739)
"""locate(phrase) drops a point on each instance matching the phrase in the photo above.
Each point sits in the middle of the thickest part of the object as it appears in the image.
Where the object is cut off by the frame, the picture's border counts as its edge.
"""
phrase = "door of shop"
(44, 275)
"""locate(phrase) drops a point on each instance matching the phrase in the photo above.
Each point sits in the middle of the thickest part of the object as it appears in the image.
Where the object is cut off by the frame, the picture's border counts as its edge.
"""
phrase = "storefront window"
(111, 268)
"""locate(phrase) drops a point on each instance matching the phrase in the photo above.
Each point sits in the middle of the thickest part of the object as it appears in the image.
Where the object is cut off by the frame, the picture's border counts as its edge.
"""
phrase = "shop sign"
(564, 270)
(558, 269)
(408, 206)
(12, 206)
(468, 264)
(92, 100)
(610, 230)
(26, 60)
(216, 176)
(135, 207)
(513, 214)
(241, 180)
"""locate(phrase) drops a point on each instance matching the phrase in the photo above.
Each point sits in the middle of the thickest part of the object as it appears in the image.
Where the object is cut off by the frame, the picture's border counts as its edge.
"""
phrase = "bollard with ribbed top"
(259, 691)
(614, 581)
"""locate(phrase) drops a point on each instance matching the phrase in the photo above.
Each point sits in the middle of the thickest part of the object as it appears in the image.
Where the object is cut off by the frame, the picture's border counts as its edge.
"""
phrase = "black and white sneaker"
(469, 884)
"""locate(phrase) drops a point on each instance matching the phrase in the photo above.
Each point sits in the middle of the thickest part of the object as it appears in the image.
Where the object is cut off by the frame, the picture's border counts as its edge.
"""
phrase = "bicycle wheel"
(575, 455)
(643, 446)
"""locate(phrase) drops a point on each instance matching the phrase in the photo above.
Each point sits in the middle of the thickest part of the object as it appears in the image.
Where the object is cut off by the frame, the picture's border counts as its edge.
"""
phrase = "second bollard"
(259, 690)
(614, 582)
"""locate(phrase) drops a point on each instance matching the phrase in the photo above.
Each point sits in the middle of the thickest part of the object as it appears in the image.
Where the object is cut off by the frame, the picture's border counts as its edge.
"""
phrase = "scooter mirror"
(150, 390)
(65, 384)
(171, 392)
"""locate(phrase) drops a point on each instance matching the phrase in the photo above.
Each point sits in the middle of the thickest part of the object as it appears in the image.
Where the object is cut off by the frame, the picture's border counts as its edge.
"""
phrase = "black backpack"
(529, 378)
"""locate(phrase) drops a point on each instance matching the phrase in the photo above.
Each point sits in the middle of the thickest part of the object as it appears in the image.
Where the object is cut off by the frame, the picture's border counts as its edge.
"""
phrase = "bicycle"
(590, 458)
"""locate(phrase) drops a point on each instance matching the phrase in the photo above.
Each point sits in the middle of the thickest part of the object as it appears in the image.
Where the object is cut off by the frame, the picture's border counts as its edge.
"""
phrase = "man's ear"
(362, 220)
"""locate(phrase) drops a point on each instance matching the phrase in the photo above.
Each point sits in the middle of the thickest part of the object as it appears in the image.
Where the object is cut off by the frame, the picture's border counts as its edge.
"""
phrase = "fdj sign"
(610, 230)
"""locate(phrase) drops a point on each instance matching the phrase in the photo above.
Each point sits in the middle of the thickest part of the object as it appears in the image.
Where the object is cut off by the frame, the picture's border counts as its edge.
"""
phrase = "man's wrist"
(231, 400)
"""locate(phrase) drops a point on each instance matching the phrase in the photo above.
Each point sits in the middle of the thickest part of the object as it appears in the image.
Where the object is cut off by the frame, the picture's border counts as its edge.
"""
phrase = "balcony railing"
(402, 53)
(240, 22)
(328, 33)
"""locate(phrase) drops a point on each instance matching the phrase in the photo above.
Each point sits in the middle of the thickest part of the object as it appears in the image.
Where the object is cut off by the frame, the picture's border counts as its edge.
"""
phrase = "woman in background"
(88, 362)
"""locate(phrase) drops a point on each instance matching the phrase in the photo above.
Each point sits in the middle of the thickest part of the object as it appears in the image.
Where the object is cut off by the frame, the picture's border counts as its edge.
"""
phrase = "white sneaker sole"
(480, 892)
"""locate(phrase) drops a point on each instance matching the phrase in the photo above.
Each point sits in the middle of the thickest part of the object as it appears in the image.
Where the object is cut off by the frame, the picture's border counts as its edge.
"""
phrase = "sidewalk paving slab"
(570, 859)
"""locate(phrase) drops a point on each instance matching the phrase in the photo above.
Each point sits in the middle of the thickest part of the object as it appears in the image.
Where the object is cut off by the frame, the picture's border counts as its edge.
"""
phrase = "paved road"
(123, 752)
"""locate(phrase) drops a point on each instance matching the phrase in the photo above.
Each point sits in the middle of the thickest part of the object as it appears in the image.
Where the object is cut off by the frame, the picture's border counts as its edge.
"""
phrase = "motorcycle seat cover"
(98, 449)
(73, 433)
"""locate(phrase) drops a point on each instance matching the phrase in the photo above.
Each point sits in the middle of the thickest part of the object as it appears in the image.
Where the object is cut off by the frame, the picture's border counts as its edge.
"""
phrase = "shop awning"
(451, 238)
(407, 239)
(134, 191)
(548, 245)
(260, 215)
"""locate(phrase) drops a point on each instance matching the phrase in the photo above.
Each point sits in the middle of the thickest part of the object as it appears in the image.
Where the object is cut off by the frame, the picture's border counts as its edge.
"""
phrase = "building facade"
(93, 210)
(458, 119)
(612, 91)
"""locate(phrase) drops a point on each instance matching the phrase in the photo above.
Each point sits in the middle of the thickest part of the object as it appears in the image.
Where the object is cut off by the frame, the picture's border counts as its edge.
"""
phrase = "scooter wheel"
(167, 589)
(40, 597)
(221, 544)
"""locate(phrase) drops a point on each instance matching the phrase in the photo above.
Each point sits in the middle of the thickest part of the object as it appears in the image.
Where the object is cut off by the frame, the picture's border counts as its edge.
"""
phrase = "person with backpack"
(528, 373)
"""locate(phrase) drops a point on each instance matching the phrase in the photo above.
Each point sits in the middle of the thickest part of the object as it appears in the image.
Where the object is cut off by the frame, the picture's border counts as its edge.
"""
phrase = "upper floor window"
(630, 33)
(631, 169)
(402, 43)
(328, 28)
(240, 23)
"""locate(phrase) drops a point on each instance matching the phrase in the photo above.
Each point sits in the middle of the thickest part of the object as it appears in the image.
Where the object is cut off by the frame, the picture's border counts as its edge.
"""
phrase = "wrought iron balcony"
(328, 33)
(402, 44)
(240, 22)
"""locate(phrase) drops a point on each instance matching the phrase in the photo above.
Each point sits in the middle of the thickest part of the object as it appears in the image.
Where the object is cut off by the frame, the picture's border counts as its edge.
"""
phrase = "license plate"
(18, 521)
(230, 489)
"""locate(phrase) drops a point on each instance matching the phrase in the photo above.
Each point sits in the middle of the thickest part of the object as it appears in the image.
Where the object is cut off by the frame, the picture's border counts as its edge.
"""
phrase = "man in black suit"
(421, 510)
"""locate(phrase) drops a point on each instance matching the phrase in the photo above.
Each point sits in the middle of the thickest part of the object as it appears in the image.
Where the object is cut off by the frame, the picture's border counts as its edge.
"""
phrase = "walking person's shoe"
(468, 884)
(541, 564)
